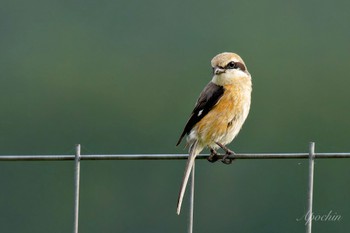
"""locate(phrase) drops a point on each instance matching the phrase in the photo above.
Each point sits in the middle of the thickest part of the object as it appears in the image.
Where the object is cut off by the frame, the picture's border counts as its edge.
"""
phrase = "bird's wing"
(208, 98)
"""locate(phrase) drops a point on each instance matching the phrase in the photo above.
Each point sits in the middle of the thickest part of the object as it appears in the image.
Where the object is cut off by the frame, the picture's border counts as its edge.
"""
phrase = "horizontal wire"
(170, 156)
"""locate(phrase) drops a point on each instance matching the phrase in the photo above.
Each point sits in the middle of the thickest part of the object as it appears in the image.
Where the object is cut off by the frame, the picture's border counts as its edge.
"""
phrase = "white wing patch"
(200, 112)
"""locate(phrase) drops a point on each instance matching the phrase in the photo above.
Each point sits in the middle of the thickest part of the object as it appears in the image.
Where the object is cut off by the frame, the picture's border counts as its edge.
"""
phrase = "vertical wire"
(76, 187)
(190, 224)
(310, 187)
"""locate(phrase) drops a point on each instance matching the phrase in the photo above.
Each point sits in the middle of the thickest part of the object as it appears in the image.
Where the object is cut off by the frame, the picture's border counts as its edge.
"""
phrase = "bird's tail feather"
(193, 152)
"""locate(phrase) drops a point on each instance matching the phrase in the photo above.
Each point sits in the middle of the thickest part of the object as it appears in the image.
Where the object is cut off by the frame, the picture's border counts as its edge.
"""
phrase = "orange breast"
(216, 123)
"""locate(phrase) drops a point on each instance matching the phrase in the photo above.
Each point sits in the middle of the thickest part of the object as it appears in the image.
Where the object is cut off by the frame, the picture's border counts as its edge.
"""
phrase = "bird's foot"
(214, 156)
(226, 159)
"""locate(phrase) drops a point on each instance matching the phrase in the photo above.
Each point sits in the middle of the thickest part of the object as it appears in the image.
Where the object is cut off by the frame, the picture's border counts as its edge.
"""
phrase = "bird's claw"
(226, 159)
(214, 156)
(212, 159)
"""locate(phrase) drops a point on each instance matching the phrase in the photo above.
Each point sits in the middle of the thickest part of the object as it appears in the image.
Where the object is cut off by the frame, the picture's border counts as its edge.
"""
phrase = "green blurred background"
(122, 77)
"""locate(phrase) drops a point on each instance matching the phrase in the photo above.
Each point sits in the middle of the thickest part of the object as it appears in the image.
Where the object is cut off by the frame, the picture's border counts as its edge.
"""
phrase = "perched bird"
(219, 113)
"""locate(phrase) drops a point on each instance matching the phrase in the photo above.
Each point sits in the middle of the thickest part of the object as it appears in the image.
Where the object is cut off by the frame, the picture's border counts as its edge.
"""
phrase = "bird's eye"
(231, 65)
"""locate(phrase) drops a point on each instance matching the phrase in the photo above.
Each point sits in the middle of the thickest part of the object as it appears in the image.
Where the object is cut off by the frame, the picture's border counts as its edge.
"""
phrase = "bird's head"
(228, 68)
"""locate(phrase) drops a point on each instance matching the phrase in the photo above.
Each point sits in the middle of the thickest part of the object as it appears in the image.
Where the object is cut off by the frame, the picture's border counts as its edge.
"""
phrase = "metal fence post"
(76, 187)
(311, 186)
(190, 223)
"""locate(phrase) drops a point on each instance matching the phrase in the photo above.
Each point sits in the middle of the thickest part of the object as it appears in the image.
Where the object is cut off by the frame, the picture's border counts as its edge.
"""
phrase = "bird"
(219, 113)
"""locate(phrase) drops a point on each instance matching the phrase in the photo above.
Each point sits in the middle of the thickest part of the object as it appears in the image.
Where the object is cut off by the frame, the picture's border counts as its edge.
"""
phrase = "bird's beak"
(218, 70)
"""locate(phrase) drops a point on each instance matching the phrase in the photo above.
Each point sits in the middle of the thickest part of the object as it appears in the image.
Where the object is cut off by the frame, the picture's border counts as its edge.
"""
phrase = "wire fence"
(311, 156)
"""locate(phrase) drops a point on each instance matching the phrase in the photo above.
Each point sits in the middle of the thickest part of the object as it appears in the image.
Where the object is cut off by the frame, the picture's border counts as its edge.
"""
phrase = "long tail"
(193, 152)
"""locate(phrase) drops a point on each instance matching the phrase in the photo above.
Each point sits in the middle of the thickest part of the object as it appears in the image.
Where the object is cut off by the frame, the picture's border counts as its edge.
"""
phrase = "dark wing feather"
(206, 101)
